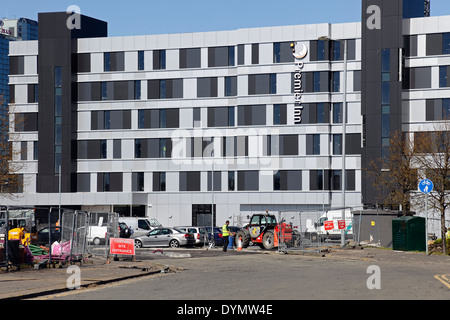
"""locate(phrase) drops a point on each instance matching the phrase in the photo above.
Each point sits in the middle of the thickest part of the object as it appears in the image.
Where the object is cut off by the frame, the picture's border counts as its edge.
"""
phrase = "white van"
(140, 226)
(97, 235)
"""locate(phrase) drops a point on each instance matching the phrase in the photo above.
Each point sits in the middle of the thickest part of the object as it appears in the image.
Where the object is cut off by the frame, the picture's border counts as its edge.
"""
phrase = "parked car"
(43, 234)
(200, 235)
(163, 237)
(218, 239)
(124, 230)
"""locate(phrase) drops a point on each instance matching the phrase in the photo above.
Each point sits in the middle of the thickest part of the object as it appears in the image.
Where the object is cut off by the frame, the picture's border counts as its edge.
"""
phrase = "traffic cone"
(275, 240)
(239, 244)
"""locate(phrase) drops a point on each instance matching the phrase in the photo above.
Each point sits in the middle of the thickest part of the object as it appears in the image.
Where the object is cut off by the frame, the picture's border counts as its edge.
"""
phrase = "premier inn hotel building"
(248, 120)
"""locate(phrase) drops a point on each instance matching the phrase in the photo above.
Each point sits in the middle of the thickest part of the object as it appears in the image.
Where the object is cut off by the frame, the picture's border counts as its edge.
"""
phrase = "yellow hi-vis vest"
(225, 231)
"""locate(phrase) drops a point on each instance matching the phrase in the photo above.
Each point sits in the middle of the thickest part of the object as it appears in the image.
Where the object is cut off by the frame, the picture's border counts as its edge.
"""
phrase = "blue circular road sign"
(426, 186)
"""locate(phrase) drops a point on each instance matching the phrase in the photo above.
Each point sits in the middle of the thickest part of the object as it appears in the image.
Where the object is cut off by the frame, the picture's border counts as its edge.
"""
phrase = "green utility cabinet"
(408, 234)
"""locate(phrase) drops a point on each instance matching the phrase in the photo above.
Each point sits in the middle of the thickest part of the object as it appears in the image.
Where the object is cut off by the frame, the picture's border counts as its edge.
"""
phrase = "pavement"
(28, 283)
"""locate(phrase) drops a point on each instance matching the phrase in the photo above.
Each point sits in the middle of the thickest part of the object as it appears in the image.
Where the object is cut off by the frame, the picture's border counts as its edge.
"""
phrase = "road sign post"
(426, 186)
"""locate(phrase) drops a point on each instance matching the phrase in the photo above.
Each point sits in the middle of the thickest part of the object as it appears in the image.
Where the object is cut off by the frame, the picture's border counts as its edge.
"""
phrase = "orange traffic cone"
(275, 240)
(239, 244)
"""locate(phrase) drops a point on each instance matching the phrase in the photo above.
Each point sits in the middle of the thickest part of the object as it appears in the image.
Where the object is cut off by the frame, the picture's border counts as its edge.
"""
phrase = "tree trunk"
(443, 232)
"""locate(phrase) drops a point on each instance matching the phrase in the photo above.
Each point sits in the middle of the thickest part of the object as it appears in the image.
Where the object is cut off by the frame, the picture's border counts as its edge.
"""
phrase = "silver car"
(200, 235)
(163, 237)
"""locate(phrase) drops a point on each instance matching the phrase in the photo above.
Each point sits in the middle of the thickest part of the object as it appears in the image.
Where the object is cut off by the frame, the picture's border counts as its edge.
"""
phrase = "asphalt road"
(213, 275)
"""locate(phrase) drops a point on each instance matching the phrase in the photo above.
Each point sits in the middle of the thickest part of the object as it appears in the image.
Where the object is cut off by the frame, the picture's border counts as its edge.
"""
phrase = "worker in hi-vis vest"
(226, 235)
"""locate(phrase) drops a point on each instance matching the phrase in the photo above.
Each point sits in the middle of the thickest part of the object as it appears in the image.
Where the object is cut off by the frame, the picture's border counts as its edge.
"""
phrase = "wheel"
(245, 235)
(137, 244)
(174, 243)
(96, 241)
(268, 240)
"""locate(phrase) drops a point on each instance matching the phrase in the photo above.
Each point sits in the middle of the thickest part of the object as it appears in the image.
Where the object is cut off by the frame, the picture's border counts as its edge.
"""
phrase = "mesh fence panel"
(73, 234)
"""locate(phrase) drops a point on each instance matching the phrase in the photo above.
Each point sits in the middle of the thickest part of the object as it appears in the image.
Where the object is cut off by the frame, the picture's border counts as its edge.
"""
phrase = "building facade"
(242, 121)
(12, 30)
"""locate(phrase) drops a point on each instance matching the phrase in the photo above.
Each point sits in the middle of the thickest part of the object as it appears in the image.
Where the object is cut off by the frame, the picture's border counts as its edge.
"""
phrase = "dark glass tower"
(57, 123)
(382, 79)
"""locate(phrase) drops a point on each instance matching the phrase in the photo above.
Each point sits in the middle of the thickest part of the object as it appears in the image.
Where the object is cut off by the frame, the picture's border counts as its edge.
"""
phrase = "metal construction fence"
(102, 227)
(72, 245)
(66, 234)
(309, 229)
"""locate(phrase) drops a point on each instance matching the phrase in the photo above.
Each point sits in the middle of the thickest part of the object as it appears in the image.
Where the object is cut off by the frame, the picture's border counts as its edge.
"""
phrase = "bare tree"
(433, 155)
(395, 174)
(10, 181)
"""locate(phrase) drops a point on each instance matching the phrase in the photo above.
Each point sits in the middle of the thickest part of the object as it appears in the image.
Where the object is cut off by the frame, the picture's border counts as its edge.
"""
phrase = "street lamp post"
(344, 129)
(212, 200)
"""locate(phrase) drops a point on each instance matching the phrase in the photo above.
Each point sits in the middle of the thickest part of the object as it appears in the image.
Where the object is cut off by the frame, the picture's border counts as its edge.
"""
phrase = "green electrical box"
(408, 234)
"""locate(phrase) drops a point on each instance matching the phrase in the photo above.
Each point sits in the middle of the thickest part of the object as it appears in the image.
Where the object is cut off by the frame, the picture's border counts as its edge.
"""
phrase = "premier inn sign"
(299, 53)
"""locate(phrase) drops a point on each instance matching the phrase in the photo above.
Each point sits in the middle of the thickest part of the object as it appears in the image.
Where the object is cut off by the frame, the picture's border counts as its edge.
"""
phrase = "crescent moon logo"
(300, 55)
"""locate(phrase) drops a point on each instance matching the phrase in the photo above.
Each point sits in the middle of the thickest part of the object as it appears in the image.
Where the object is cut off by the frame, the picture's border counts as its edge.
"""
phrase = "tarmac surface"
(30, 282)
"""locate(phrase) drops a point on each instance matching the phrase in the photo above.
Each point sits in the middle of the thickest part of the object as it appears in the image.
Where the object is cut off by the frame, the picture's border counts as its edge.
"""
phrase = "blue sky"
(174, 16)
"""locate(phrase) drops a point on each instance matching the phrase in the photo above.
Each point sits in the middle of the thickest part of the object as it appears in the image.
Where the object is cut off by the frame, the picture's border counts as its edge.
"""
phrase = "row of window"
(162, 148)
(224, 56)
(258, 84)
(241, 146)
(283, 180)
(313, 113)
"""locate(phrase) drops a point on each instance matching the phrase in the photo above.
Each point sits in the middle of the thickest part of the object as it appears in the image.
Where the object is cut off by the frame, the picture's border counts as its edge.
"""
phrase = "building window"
(231, 180)
(217, 180)
(283, 145)
(252, 115)
(58, 120)
(337, 113)
(279, 114)
(153, 148)
(336, 81)
(83, 182)
(313, 144)
(109, 182)
(207, 87)
(221, 117)
(230, 86)
(189, 181)
(190, 58)
(262, 84)
(114, 61)
(385, 101)
(159, 59)
(248, 180)
(322, 53)
(282, 52)
(255, 53)
(444, 80)
(159, 181)
(165, 89)
(316, 180)
(287, 180)
(141, 60)
(321, 81)
(241, 54)
(221, 56)
(158, 118)
(33, 93)
(137, 181)
(337, 144)
(111, 120)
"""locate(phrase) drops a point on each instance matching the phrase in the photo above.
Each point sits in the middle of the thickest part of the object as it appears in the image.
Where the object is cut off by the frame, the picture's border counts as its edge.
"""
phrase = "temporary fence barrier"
(72, 246)
(102, 227)
(314, 230)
